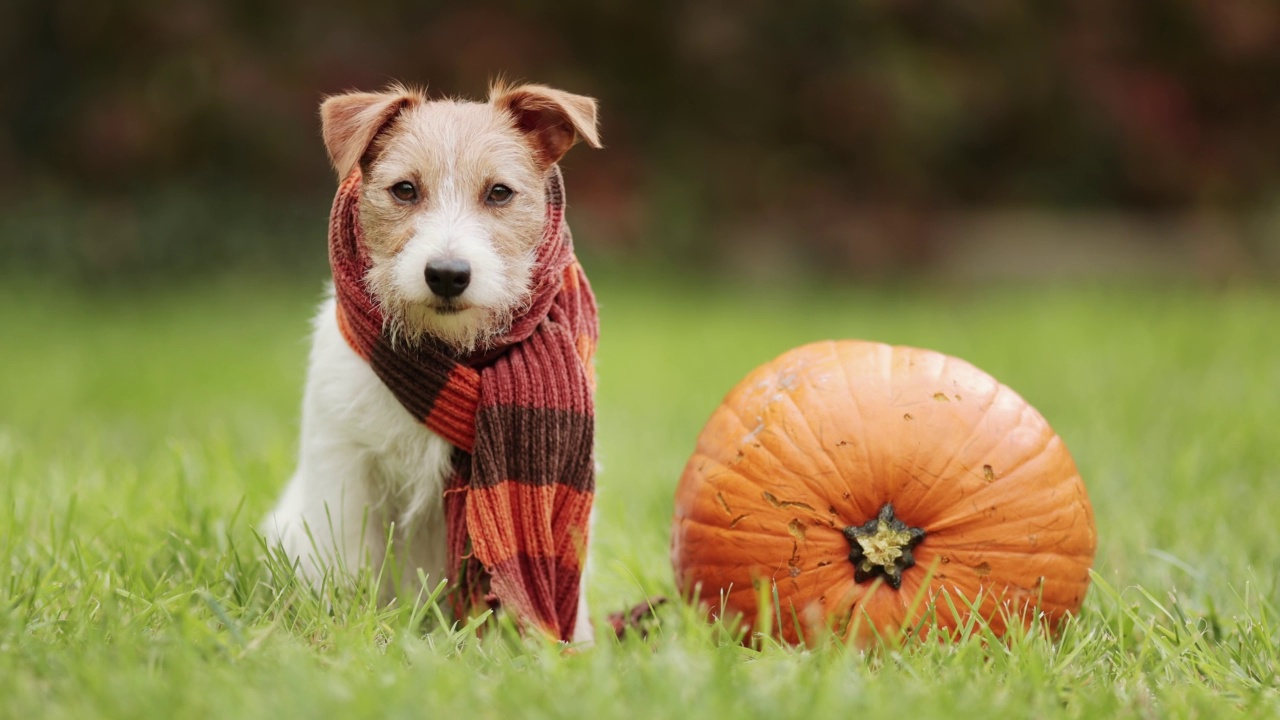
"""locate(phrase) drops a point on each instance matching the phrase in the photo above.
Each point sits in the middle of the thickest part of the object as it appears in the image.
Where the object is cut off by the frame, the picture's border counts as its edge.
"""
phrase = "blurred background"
(875, 139)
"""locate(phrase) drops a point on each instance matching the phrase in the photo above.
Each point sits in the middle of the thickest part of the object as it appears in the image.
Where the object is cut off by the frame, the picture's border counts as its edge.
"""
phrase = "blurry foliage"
(840, 131)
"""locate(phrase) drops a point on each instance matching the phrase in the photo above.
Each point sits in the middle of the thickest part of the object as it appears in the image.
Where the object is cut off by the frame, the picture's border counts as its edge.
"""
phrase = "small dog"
(452, 210)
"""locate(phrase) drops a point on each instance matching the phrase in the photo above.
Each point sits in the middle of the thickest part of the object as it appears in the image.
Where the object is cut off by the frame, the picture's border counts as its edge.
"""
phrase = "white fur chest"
(410, 461)
(364, 465)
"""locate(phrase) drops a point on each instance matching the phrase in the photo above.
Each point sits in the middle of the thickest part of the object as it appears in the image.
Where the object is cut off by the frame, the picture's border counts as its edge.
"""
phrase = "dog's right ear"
(352, 121)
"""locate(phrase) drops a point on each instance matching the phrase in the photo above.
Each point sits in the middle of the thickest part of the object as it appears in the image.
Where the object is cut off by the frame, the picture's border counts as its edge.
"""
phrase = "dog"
(452, 211)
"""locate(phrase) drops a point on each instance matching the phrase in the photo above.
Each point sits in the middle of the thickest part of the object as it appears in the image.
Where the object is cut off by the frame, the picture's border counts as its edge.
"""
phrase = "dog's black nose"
(448, 278)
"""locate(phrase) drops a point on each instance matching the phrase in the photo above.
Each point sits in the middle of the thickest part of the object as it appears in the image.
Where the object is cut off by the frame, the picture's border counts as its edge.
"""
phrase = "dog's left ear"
(552, 119)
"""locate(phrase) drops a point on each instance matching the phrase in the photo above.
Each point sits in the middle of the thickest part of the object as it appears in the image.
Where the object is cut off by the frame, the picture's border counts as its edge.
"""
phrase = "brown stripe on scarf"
(529, 434)
(520, 414)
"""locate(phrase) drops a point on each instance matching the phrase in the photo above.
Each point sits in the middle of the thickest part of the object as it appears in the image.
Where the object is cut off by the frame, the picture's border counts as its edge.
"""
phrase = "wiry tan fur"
(454, 151)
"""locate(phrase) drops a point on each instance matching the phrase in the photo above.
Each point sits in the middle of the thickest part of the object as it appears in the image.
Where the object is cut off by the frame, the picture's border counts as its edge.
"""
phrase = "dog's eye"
(404, 191)
(499, 195)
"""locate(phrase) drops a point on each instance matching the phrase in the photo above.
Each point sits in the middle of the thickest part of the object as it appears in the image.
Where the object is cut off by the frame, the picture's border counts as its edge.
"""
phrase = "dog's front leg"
(326, 521)
(329, 518)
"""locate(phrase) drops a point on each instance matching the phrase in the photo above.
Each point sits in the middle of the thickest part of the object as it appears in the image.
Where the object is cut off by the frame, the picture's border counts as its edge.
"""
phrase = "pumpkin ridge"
(834, 468)
(1049, 523)
(940, 549)
(812, 514)
(781, 535)
(960, 448)
(805, 478)
(915, 469)
(1060, 544)
(727, 469)
(862, 418)
(975, 429)
(961, 515)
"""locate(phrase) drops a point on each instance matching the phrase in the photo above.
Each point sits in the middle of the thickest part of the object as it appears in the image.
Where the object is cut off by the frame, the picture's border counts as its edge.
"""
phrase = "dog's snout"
(449, 277)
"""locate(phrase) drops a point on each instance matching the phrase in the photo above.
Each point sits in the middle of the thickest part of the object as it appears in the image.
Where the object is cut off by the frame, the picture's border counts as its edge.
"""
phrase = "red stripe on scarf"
(521, 518)
(453, 414)
(528, 561)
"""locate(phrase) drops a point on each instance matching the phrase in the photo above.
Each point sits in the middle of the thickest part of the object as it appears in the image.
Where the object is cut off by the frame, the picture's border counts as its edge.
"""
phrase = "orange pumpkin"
(859, 483)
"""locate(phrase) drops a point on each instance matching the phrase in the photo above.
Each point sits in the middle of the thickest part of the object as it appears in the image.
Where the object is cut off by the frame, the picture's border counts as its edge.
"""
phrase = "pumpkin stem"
(882, 546)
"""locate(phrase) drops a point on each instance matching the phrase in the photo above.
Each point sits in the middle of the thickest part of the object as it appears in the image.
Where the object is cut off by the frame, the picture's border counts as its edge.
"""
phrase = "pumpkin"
(855, 487)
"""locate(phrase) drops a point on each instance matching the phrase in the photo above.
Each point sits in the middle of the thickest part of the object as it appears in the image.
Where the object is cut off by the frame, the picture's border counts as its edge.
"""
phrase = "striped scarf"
(519, 414)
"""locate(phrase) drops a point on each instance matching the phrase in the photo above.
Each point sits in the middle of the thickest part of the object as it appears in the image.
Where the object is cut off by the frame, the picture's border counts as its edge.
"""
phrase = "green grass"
(143, 435)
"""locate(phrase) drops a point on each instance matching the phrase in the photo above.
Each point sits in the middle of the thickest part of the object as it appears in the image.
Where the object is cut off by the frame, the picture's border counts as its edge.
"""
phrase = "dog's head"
(452, 202)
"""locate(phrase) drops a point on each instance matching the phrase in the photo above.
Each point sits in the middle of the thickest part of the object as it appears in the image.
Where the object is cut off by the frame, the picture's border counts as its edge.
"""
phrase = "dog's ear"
(352, 121)
(552, 119)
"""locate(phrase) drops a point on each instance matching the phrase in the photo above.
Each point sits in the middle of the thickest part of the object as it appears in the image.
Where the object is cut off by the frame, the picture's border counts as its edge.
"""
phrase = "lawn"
(143, 435)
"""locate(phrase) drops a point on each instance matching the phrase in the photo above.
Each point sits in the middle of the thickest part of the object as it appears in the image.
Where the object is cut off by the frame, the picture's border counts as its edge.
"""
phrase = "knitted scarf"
(519, 414)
